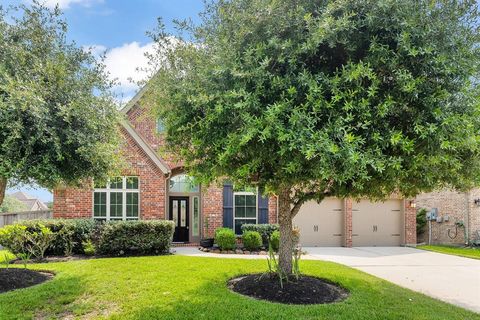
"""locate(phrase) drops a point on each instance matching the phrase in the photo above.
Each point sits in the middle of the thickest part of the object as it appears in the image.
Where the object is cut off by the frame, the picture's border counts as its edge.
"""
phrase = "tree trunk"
(286, 236)
(3, 187)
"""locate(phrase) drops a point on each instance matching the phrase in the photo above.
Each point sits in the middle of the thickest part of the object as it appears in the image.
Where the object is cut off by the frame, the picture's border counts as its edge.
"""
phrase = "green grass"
(180, 287)
(473, 253)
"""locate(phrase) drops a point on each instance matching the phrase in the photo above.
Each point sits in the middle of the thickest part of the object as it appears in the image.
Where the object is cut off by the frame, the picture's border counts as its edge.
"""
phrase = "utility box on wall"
(432, 214)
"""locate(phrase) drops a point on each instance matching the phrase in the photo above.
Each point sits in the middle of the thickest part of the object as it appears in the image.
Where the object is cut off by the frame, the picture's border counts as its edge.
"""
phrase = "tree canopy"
(58, 119)
(309, 99)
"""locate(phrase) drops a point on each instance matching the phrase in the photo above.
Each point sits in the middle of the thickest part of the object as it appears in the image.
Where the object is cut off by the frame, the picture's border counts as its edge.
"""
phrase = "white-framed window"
(119, 199)
(160, 125)
(244, 208)
(183, 183)
(196, 216)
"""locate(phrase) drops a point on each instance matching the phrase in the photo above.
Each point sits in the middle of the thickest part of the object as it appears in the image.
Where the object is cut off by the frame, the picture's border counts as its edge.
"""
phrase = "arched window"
(184, 184)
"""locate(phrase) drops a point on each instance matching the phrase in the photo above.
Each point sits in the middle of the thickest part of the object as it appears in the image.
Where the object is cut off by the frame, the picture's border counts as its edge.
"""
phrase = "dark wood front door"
(179, 212)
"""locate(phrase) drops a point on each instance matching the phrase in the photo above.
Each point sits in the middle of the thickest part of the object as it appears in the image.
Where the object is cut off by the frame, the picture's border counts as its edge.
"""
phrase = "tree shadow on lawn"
(54, 298)
(213, 300)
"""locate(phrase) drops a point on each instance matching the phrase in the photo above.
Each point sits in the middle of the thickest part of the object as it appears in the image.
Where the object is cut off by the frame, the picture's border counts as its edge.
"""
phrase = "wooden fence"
(11, 217)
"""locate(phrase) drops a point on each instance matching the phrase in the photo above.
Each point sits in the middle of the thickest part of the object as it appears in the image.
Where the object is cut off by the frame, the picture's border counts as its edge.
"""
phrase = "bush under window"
(252, 240)
(135, 237)
(225, 238)
(265, 230)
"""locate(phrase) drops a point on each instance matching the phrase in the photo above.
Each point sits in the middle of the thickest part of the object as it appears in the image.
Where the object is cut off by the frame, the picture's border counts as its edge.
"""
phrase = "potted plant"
(206, 242)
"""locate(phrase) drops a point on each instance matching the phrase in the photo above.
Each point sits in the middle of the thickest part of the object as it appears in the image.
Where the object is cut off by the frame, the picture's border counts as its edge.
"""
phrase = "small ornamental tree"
(58, 121)
(309, 99)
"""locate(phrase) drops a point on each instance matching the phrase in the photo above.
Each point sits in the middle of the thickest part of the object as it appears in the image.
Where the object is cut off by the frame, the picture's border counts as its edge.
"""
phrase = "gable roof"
(20, 195)
(146, 147)
(130, 104)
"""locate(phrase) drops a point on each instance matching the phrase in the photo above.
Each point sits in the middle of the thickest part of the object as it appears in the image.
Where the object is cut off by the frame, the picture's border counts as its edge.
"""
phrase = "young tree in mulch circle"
(58, 121)
(309, 99)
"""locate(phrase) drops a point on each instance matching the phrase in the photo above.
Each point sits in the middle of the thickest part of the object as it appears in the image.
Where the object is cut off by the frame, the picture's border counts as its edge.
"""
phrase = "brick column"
(348, 222)
(212, 203)
(272, 210)
(410, 223)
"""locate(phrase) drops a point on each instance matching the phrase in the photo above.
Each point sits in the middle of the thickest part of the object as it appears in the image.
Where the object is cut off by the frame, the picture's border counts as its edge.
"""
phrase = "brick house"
(155, 187)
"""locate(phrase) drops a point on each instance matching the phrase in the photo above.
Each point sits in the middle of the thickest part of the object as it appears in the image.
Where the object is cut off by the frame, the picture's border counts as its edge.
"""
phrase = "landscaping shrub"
(69, 234)
(21, 240)
(225, 238)
(13, 238)
(275, 240)
(135, 237)
(265, 230)
(89, 248)
(421, 220)
(252, 240)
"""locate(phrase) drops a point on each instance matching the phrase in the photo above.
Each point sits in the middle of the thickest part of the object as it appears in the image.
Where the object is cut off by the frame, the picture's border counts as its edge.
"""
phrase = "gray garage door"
(377, 223)
(321, 224)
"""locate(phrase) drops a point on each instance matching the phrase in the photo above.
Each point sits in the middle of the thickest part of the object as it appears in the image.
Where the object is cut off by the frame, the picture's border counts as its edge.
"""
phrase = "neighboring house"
(31, 203)
(156, 187)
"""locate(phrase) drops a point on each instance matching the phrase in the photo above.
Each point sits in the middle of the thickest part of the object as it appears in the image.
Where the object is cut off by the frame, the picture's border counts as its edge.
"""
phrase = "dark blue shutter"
(228, 205)
(262, 209)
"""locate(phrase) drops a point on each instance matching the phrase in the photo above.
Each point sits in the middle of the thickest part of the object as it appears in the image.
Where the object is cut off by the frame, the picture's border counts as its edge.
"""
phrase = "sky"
(119, 27)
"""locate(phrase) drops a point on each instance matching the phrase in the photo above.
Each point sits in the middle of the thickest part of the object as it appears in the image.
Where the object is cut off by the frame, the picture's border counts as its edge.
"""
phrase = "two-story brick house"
(155, 187)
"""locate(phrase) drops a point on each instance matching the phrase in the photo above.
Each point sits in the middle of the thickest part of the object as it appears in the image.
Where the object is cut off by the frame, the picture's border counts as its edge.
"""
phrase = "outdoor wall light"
(477, 202)
(412, 204)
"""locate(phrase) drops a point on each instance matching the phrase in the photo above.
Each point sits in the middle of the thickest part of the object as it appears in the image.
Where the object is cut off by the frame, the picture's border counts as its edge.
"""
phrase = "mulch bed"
(305, 290)
(16, 278)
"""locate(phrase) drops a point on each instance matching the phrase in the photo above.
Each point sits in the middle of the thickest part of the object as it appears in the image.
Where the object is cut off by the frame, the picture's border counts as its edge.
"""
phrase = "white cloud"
(65, 4)
(124, 64)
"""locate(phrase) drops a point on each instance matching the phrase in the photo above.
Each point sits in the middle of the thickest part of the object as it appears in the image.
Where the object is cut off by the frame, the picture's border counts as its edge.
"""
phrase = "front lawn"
(473, 253)
(180, 287)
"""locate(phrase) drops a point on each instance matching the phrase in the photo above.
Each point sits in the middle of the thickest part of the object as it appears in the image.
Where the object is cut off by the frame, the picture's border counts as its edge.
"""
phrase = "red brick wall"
(348, 222)
(76, 203)
(272, 210)
(72, 203)
(144, 122)
(212, 207)
(410, 215)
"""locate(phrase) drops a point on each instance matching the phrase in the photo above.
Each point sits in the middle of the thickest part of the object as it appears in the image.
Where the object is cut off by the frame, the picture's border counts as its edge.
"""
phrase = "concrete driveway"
(449, 278)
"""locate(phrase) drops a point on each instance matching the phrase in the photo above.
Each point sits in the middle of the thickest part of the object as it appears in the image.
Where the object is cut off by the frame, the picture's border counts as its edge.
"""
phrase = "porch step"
(185, 244)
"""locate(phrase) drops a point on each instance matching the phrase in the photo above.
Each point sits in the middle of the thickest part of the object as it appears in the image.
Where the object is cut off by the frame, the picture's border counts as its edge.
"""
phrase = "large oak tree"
(58, 121)
(309, 99)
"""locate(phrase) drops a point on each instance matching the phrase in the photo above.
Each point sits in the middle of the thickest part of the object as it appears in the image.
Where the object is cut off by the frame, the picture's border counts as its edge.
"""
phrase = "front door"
(179, 212)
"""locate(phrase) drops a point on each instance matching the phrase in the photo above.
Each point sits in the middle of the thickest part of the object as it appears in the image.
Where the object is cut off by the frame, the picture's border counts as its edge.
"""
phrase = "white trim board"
(146, 147)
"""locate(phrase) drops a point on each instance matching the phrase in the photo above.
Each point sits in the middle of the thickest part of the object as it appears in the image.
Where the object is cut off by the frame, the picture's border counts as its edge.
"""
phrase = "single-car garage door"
(377, 223)
(321, 224)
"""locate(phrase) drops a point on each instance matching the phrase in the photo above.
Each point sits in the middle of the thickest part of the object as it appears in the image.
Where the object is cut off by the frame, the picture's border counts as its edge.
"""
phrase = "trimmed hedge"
(86, 236)
(265, 230)
(135, 237)
(225, 238)
(252, 240)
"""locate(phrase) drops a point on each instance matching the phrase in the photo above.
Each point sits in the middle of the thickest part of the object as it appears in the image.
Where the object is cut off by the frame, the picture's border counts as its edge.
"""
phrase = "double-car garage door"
(373, 223)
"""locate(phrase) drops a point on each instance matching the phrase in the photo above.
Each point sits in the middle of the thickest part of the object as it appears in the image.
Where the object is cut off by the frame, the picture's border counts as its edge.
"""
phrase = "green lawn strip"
(179, 287)
(473, 253)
